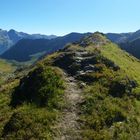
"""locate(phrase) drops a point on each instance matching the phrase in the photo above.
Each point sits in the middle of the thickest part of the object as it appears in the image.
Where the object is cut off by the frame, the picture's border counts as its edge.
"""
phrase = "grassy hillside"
(129, 64)
(111, 109)
(6, 66)
(109, 78)
(132, 47)
(84, 92)
(6, 70)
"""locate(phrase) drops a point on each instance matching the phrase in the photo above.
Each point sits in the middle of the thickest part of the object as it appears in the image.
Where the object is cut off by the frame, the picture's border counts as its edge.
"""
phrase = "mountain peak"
(97, 39)
(11, 31)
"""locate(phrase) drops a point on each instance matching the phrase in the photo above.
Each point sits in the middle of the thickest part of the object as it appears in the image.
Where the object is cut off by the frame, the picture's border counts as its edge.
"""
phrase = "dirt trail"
(68, 126)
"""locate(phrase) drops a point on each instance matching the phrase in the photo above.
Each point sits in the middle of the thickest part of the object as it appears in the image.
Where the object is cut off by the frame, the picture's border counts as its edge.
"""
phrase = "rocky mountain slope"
(88, 90)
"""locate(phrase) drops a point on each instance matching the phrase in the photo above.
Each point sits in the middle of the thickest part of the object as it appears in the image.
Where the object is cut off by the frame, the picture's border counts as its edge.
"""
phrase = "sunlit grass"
(5, 66)
(129, 64)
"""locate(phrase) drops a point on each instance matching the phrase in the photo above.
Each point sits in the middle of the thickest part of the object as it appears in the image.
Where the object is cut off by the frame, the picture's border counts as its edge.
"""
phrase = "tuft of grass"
(109, 110)
(42, 86)
(30, 122)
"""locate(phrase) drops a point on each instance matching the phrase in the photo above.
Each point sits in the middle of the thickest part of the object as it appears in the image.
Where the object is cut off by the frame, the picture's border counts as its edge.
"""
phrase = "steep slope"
(108, 99)
(5, 42)
(24, 50)
(84, 91)
(129, 42)
(123, 37)
(132, 47)
(11, 37)
(118, 38)
(128, 63)
(33, 114)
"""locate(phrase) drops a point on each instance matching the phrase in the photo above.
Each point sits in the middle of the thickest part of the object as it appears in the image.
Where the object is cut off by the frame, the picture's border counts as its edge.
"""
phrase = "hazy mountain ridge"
(11, 37)
(127, 41)
(123, 37)
(130, 42)
(24, 49)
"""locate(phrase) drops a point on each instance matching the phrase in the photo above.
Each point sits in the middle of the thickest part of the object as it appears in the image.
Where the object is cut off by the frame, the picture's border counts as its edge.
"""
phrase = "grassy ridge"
(126, 62)
(110, 110)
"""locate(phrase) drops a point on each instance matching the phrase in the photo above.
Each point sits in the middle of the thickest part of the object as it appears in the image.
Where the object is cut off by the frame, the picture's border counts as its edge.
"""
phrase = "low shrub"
(41, 86)
(30, 123)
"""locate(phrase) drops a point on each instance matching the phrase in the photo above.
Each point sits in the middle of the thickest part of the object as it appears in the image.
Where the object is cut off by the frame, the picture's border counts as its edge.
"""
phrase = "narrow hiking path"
(68, 125)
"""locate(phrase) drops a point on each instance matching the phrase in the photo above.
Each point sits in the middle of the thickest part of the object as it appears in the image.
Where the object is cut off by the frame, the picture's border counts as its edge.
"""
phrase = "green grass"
(34, 118)
(6, 66)
(33, 59)
(5, 110)
(129, 64)
(6, 70)
(109, 111)
(30, 122)
(5, 98)
(36, 105)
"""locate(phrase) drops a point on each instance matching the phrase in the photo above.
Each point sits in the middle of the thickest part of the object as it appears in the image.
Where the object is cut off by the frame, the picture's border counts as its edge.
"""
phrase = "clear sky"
(64, 16)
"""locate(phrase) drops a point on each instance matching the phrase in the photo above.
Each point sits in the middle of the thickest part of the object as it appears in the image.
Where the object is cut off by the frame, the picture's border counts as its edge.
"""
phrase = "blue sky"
(64, 16)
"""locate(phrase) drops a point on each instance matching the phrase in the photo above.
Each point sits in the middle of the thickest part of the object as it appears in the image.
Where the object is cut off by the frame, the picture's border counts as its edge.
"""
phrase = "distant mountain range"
(130, 42)
(26, 48)
(132, 47)
(22, 47)
(11, 37)
(123, 37)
